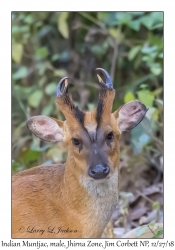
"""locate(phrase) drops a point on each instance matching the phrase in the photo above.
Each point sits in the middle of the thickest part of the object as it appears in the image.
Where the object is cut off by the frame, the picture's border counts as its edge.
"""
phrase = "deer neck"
(92, 200)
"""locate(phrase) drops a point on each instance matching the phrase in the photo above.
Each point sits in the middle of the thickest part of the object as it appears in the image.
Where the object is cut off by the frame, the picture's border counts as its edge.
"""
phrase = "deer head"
(92, 137)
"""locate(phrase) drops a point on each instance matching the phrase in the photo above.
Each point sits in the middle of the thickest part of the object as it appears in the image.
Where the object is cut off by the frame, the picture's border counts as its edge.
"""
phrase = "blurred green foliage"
(47, 46)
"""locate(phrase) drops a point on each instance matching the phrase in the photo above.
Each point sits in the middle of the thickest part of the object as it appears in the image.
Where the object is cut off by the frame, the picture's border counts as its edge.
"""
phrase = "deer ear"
(46, 128)
(130, 115)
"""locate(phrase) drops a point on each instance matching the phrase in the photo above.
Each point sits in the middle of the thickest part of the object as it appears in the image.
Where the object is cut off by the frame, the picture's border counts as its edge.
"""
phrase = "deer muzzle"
(99, 171)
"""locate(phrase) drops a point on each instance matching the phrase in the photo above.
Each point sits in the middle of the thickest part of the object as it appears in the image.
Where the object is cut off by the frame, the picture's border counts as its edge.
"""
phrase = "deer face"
(94, 149)
(92, 137)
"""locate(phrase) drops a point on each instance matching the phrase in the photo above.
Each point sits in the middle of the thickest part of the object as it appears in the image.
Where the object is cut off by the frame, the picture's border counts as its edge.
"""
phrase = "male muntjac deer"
(76, 199)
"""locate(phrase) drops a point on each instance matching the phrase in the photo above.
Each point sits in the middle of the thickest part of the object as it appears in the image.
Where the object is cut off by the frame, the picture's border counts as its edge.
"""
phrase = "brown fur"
(63, 196)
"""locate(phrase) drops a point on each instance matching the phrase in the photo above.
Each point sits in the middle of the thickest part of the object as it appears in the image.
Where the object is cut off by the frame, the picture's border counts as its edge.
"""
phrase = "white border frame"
(5, 97)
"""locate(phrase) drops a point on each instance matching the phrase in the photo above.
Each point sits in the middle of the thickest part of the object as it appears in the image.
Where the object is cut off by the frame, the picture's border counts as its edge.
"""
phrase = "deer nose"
(99, 171)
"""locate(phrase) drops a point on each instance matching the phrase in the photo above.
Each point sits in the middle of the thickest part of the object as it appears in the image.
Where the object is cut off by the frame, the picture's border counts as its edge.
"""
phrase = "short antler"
(62, 86)
(108, 81)
(73, 115)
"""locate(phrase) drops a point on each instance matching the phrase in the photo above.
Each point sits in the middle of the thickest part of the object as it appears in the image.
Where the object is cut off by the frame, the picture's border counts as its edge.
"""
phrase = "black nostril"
(98, 171)
(106, 170)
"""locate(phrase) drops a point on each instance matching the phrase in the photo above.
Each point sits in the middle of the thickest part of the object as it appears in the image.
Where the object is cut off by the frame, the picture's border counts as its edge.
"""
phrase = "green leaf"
(50, 89)
(102, 15)
(146, 58)
(62, 24)
(17, 51)
(155, 40)
(64, 56)
(160, 55)
(15, 29)
(139, 137)
(47, 110)
(136, 13)
(129, 96)
(147, 21)
(16, 166)
(35, 98)
(42, 15)
(156, 205)
(42, 81)
(28, 19)
(156, 71)
(155, 115)
(108, 18)
(42, 53)
(152, 224)
(133, 52)
(158, 233)
(22, 92)
(157, 16)
(42, 66)
(29, 155)
(124, 17)
(156, 26)
(117, 34)
(21, 16)
(135, 25)
(38, 24)
(158, 91)
(21, 73)
(149, 50)
(60, 72)
(55, 57)
(99, 50)
(24, 28)
(113, 32)
(146, 96)
(143, 85)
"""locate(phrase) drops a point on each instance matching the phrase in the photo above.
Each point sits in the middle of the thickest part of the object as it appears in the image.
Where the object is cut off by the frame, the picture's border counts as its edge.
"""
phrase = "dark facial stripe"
(92, 136)
(79, 115)
(104, 95)
(65, 103)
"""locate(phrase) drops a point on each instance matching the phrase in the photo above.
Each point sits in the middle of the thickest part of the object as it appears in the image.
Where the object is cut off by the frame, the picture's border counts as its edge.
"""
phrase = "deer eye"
(75, 141)
(110, 136)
